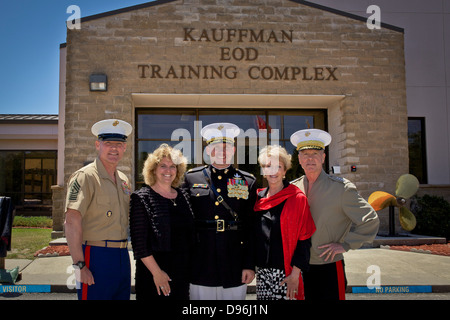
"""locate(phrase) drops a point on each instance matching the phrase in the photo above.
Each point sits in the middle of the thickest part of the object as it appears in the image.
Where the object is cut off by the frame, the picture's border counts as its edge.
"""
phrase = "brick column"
(58, 211)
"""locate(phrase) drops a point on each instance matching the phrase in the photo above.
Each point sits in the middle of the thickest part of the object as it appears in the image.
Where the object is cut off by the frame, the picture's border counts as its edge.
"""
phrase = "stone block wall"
(149, 50)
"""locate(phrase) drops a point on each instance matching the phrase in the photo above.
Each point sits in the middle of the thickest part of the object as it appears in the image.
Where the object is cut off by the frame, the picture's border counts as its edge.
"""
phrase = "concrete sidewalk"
(397, 270)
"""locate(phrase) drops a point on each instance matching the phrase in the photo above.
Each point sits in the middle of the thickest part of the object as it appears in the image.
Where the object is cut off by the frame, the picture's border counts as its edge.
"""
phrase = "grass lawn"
(26, 241)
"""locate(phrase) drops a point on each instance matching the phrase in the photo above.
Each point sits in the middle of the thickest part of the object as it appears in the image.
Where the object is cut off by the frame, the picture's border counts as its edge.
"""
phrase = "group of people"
(205, 233)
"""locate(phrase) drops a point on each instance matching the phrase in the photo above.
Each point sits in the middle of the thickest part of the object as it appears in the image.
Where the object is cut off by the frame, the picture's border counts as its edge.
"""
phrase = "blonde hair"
(153, 159)
(274, 150)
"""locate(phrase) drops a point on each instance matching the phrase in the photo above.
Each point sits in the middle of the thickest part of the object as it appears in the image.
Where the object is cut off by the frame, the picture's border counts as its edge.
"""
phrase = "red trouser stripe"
(87, 258)
(341, 279)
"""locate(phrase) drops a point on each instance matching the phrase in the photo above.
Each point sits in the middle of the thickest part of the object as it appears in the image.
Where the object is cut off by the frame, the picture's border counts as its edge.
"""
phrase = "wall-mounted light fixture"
(336, 169)
(98, 82)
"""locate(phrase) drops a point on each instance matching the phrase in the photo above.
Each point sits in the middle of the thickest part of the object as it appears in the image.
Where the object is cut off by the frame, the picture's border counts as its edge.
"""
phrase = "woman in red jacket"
(284, 228)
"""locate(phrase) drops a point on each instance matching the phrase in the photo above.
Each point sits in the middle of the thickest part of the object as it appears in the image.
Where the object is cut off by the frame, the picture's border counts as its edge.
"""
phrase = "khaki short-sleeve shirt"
(103, 204)
(341, 215)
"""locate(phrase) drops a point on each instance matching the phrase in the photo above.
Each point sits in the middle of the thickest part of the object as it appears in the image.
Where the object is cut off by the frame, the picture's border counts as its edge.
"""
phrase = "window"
(27, 177)
(417, 149)
(175, 126)
(156, 128)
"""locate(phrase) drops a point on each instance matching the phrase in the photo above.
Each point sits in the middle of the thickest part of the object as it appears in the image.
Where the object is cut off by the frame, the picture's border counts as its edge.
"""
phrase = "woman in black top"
(162, 228)
(283, 230)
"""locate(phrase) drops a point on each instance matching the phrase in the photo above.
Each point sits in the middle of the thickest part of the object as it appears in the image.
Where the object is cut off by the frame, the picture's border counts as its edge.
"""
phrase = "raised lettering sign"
(239, 53)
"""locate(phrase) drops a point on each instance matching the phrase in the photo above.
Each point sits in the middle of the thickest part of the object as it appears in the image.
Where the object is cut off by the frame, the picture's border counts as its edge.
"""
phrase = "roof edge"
(126, 9)
(29, 118)
(306, 3)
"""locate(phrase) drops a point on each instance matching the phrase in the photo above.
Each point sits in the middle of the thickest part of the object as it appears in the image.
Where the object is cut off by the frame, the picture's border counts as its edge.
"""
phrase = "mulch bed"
(439, 249)
(52, 251)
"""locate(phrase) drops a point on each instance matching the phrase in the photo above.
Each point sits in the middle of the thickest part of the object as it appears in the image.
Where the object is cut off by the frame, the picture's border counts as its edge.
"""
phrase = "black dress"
(269, 252)
(176, 260)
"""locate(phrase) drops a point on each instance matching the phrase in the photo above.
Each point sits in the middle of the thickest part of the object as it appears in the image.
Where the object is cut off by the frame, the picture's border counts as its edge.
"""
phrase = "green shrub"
(32, 222)
(433, 216)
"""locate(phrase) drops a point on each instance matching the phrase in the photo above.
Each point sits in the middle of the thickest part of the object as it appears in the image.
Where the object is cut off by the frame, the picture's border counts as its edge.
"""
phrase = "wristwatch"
(79, 265)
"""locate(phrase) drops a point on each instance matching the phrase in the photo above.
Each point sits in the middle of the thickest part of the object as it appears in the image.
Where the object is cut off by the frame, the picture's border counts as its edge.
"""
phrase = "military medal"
(126, 188)
(237, 187)
(200, 185)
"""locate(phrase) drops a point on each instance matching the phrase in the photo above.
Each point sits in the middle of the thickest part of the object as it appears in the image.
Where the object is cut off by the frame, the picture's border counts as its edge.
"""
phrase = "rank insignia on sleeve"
(74, 190)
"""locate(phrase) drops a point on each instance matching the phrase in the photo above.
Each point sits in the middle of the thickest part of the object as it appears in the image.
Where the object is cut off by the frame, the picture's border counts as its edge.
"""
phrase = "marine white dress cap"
(220, 132)
(112, 130)
(310, 139)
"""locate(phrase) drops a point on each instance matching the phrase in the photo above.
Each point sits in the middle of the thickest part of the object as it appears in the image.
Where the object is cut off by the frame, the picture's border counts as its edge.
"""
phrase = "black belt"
(219, 225)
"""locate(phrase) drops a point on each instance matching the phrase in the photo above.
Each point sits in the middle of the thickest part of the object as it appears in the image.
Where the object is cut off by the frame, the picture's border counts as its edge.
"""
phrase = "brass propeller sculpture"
(407, 186)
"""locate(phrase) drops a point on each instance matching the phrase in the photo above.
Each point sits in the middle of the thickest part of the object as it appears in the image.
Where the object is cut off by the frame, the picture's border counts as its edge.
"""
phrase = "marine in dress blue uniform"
(97, 208)
(222, 199)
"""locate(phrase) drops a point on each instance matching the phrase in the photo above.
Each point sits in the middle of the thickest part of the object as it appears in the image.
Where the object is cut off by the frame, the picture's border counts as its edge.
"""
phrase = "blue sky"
(31, 32)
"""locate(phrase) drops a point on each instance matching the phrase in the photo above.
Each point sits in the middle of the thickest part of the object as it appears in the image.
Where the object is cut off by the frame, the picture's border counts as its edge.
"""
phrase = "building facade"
(28, 161)
(271, 67)
(427, 60)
